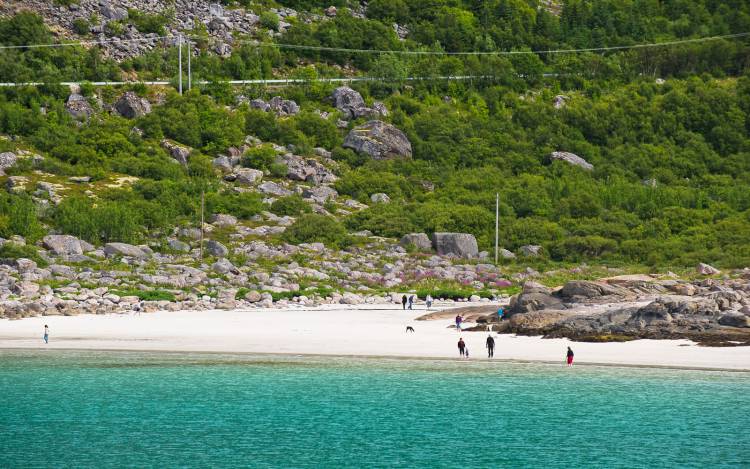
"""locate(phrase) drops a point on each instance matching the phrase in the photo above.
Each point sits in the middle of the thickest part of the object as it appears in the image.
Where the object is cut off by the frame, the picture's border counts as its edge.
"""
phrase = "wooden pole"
(179, 59)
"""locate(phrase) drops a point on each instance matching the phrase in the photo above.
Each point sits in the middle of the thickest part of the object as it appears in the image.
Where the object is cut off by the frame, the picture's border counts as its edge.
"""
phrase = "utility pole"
(203, 204)
(189, 53)
(497, 222)
(179, 59)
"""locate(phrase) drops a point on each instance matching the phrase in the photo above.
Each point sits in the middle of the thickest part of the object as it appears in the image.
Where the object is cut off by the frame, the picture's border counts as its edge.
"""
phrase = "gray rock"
(560, 101)
(588, 289)
(111, 12)
(505, 254)
(63, 245)
(283, 107)
(223, 266)
(705, 269)
(177, 245)
(419, 241)
(222, 219)
(179, 152)
(130, 105)
(223, 164)
(125, 250)
(379, 140)
(320, 194)
(216, 249)
(271, 188)
(571, 158)
(78, 107)
(380, 198)
(531, 250)
(7, 160)
(24, 265)
(457, 244)
(533, 301)
(253, 296)
(735, 320)
(348, 101)
(248, 176)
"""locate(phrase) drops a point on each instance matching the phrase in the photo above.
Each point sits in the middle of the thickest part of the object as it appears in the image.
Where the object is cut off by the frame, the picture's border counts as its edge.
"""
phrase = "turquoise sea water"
(130, 409)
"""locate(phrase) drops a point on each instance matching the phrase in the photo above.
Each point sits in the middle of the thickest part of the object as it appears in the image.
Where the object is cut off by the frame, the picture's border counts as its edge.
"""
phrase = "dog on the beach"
(409, 329)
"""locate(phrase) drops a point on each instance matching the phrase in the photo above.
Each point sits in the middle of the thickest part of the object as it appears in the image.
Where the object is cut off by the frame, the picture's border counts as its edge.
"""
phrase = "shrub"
(291, 205)
(314, 228)
(18, 216)
(18, 251)
(108, 222)
(146, 295)
(261, 157)
(81, 26)
(269, 20)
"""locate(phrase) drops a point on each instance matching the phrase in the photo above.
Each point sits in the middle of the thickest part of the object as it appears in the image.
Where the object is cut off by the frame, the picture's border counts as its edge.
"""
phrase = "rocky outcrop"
(531, 250)
(274, 189)
(278, 105)
(78, 107)
(352, 106)
(125, 250)
(63, 245)
(7, 161)
(248, 176)
(417, 241)
(179, 153)
(216, 249)
(380, 198)
(320, 194)
(130, 105)
(306, 169)
(455, 244)
(705, 269)
(379, 140)
(584, 289)
(572, 159)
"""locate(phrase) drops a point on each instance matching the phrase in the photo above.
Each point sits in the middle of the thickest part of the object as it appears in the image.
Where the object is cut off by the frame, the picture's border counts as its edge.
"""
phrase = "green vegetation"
(146, 295)
(292, 205)
(671, 178)
(314, 228)
(11, 250)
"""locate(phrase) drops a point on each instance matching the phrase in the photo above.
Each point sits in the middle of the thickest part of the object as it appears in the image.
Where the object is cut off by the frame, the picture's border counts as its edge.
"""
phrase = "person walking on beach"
(570, 356)
(428, 300)
(459, 319)
(490, 346)
(500, 314)
(461, 347)
(411, 301)
(403, 301)
(46, 334)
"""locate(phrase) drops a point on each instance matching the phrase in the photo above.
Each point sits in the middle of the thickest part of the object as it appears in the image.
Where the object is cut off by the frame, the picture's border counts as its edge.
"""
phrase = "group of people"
(463, 350)
(407, 302)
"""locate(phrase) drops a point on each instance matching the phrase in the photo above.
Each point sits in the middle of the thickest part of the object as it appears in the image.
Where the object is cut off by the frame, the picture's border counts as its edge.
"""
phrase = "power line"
(399, 52)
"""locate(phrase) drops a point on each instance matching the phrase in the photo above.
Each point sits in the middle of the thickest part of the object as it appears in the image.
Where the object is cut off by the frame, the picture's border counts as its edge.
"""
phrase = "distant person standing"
(500, 314)
(411, 301)
(459, 319)
(428, 301)
(461, 347)
(570, 356)
(403, 301)
(490, 346)
(46, 334)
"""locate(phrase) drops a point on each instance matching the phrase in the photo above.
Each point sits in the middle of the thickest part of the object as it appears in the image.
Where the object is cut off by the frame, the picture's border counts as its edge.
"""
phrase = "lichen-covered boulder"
(379, 140)
(130, 105)
(572, 159)
(63, 245)
(419, 241)
(456, 244)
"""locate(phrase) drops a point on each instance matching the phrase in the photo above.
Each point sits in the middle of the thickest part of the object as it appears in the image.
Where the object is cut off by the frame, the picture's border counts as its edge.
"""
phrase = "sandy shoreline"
(363, 330)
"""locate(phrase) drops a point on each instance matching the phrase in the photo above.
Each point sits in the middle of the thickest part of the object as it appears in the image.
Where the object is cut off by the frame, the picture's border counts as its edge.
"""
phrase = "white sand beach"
(364, 330)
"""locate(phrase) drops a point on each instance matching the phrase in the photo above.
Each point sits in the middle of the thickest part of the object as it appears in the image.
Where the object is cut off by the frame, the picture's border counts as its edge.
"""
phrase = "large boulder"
(735, 320)
(306, 169)
(274, 189)
(352, 106)
(533, 301)
(78, 107)
(379, 140)
(418, 241)
(63, 245)
(111, 12)
(456, 244)
(130, 105)
(572, 159)
(531, 250)
(588, 289)
(7, 160)
(283, 107)
(179, 152)
(125, 250)
(216, 249)
(320, 194)
(705, 269)
(248, 176)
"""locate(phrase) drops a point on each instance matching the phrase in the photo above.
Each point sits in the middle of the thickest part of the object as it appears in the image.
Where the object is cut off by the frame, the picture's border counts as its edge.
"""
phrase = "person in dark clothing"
(490, 347)
(570, 356)
(403, 301)
(461, 347)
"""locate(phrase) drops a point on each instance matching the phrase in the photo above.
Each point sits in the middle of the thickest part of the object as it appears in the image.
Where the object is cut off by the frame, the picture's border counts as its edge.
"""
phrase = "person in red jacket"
(570, 356)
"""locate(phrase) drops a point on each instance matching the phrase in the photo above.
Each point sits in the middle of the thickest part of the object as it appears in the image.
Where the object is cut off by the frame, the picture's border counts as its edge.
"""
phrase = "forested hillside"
(665, 129)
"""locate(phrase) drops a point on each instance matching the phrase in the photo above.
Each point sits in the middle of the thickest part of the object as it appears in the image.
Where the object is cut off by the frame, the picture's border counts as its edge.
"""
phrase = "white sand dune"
(376, 330)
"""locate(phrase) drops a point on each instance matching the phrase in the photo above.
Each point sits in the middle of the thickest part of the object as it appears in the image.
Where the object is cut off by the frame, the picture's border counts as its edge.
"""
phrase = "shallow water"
(115, 409)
